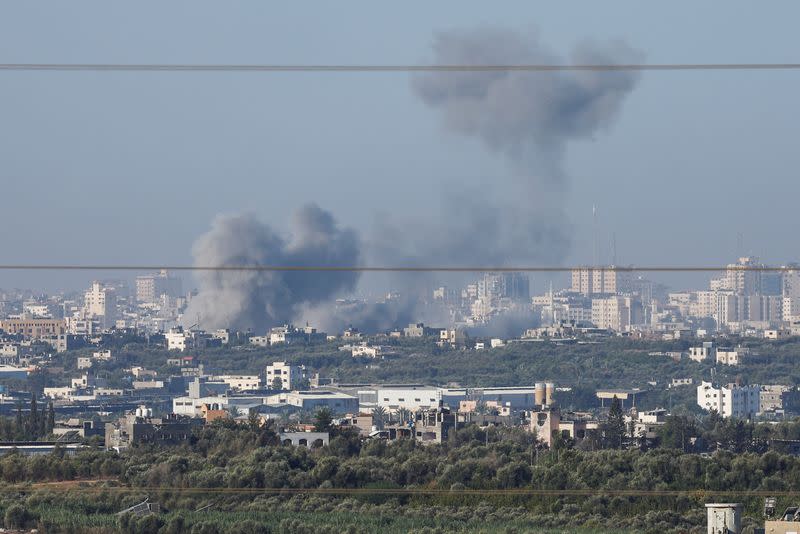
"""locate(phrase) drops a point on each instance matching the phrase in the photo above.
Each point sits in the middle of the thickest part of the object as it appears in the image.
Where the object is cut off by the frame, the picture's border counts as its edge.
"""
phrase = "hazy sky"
(132, 167)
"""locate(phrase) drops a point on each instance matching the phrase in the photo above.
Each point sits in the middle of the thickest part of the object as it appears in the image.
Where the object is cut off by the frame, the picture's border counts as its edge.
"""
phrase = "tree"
(33, 419)
(277, 383)
(16, 516)
(51, 418)
(379, 417)
(18, 424)
(404, 415)
(614, 427)
(322, 420)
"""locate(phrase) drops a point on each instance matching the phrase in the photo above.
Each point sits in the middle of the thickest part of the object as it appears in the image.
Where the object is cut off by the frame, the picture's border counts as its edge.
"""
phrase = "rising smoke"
(257, 300)
(527, 117)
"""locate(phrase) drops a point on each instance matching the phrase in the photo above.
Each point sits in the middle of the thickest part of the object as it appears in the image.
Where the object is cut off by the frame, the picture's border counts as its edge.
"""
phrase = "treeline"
(226, 456)
(32, 425)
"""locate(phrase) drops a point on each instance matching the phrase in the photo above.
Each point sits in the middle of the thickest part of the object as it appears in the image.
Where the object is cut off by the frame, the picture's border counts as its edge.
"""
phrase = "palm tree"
(379, 417)
(404, 415)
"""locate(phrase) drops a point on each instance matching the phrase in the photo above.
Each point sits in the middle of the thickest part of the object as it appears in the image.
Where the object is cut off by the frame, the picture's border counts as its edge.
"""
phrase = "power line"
(187, 67)
(395, 268)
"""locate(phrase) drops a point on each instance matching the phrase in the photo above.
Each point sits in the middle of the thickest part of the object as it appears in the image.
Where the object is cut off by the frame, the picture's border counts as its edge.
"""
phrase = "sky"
(117, 168)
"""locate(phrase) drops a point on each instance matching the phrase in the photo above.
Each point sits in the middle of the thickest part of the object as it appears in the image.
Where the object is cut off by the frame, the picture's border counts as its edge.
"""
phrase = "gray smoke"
(257, 300)
(528, 116)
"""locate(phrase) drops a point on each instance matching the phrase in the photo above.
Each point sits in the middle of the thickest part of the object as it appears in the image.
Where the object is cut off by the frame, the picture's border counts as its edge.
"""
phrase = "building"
(285, 375)
(609, 280)
(411, 397)
(731, 400)
(772, 398)
(150, 288)
(240, 382)
(702, 353)
(312, 440)
(100, 303)
(34, 328)
(335, 401)
(364, 350)
(617, 313)
(779, 333)
(731, 356)
(288, 334)
(141, 427)
(420, 330)
(647, 424)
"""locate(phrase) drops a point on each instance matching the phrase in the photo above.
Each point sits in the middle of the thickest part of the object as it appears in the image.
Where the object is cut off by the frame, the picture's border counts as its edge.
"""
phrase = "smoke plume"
(527, 116)
(257, 300)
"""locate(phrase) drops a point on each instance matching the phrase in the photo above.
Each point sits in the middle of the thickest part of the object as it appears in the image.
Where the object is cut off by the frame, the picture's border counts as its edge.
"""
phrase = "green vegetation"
(32, 425)
(238, 469)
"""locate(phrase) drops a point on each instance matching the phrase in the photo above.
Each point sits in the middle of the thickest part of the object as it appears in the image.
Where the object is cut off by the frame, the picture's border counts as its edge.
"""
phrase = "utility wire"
(395, 268)
(188, 67)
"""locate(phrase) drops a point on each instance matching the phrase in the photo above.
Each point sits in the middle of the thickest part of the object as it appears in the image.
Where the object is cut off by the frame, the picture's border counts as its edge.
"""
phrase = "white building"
(259, 341)
(100, 303)
(730, 400)
(335, 401)
(290, 376)
(240, 382)
(593, 281)
(364, 350)
(103, 355)
(702, 353)
(150, 288)
(176, 339)
(411, 397)
(731, 356)
(617, 313)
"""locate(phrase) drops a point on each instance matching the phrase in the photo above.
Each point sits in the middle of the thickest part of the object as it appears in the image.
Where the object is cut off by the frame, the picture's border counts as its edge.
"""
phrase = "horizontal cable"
(394, 268)
(184, 67)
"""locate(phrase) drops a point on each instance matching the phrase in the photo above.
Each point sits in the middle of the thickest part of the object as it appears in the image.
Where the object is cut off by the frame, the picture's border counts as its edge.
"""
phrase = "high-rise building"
(790, 281)
(617, 313)
(100, 303)
(743, 278)
(150, 288)
(607, 280)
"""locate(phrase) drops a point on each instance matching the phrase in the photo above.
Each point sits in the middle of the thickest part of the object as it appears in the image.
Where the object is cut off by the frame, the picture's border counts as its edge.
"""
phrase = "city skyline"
(644, 195)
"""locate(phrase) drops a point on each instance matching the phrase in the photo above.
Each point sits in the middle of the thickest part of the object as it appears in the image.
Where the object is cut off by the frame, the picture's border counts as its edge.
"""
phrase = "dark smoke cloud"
(258, 300)
(528, 116)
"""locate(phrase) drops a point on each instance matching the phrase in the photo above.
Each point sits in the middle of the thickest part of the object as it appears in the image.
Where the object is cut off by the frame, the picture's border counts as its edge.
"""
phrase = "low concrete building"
(141, 427)
(312, 440)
